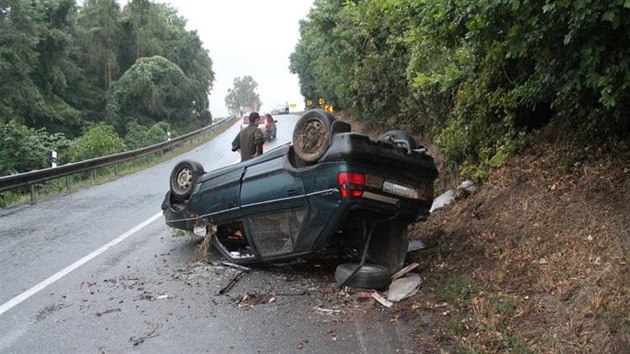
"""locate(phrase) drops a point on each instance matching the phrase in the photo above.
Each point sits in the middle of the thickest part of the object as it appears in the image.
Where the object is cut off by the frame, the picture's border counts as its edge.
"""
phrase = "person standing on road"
(250, 139)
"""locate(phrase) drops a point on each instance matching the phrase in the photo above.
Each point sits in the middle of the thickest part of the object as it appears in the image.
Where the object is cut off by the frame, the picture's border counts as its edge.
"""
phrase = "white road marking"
(50, 280)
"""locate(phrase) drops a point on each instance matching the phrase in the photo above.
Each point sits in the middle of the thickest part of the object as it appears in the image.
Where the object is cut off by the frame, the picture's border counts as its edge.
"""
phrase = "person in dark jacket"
(250, 139)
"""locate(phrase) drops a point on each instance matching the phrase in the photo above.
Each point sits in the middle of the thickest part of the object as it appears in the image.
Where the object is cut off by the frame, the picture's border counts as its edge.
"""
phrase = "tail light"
(351, 184)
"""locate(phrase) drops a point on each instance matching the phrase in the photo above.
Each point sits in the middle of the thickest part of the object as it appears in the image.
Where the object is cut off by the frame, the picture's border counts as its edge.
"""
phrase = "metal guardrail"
(37, 176)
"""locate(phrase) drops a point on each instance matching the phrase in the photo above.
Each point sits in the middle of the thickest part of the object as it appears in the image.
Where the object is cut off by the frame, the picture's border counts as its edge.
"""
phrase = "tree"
(243, 95)
(98, 32)
(157, 29)
(53, 68)
(19, 35)
(153, 89)
(476, 74)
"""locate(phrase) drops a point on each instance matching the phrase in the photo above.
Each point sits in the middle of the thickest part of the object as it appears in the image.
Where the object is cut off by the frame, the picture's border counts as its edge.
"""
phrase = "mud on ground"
(536, 261)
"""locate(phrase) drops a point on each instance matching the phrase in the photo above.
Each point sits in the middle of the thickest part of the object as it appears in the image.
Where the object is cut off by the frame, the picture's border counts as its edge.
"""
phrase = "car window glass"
(276, 233)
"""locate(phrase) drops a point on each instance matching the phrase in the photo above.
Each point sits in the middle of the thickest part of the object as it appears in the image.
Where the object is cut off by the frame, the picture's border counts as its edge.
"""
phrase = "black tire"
(399, 138)
(183, 178)
(311, 135)
(369, 276)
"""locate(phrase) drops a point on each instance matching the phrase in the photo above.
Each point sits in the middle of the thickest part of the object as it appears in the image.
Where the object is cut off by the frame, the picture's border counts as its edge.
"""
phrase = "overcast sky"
(248, 37)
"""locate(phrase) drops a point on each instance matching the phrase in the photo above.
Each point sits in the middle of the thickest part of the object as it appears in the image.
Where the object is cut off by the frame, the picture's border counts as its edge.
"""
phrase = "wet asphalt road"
(98, 271)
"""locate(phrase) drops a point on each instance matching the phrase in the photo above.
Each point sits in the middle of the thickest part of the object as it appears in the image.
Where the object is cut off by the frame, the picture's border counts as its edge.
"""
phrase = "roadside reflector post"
(31, 188)
(53, 158)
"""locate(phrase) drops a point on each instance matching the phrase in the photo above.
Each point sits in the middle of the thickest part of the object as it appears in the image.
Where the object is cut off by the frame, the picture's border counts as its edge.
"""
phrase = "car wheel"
(369, 276)
(311, 135)
(399, 138)
(183, 178)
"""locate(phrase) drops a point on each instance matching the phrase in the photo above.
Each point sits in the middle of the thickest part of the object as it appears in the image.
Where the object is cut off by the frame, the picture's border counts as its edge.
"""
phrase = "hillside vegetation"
(91, 78)
(530, 100)
(475, 76)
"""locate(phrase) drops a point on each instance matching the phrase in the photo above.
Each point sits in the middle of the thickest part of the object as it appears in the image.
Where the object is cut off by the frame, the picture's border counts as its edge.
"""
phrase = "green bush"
(23, 149)
(99, 140)
(136, 135)
(158, 133)
(139, 136)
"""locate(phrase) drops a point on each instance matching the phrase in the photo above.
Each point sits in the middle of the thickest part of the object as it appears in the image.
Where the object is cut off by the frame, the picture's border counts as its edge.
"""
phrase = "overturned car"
(330, 187)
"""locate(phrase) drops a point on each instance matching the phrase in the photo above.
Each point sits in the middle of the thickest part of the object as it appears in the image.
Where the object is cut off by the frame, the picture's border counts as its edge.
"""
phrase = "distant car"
(245, 119)
(329, 188)
(284, 109)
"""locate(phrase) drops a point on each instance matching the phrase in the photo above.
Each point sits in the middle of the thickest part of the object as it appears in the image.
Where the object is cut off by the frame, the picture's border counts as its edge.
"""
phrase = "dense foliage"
(24, 149)
(99, 140)
(67, 68)
(478, 75)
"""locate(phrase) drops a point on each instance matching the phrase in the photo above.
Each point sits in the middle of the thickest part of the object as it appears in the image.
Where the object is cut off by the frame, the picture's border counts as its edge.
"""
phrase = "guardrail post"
(94, 175)
(31, 188)
(68, 183)
(116, 169)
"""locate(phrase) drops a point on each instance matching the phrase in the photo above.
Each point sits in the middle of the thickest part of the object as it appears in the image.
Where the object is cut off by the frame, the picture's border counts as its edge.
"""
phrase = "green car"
(330, 187)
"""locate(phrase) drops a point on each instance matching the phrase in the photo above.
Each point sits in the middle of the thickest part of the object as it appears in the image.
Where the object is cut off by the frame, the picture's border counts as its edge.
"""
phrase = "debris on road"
(242, 269)
(99, 314)
(326, 311)
(236, 266)
(253, 299)
(415, 245)
(463, 190)
(203, 249)
(137, 341)
(381, 300)
(231, 283)
(405, 270)
(443, 200)
(50, 309)
(404, 287)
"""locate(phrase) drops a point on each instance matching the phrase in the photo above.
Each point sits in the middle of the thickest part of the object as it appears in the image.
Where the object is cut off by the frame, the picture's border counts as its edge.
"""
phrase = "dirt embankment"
(537, 260)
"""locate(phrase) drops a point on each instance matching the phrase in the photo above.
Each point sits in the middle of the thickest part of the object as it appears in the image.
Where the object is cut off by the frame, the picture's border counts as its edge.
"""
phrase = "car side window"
(233, 238)
(276, 233)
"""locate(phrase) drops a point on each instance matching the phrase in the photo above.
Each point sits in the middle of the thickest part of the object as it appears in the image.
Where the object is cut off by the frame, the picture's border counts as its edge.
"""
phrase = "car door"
(273, 204)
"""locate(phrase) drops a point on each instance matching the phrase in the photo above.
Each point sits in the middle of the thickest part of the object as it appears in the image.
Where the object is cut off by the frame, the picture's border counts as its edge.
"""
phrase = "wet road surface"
(97, 270)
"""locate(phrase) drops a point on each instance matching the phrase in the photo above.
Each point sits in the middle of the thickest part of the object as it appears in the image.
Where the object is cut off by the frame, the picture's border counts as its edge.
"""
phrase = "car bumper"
(176, 215)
